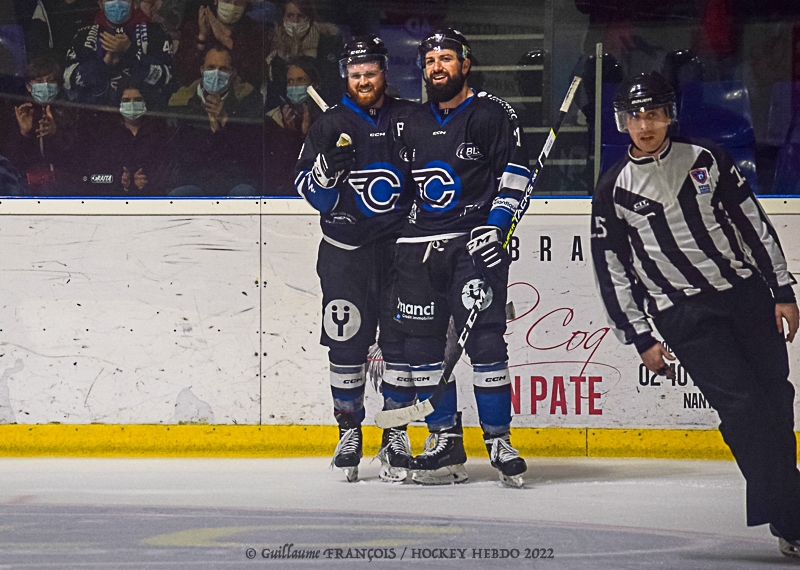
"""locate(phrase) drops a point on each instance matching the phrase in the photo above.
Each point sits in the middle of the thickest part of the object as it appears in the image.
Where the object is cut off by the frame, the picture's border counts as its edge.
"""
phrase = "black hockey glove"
(332, 165)
(489, 255)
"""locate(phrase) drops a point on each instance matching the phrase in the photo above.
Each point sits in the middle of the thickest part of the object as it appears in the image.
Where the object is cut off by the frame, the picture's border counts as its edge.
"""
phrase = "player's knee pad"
(424, 350)
(486, 345)
(492, 385)
(397, 386)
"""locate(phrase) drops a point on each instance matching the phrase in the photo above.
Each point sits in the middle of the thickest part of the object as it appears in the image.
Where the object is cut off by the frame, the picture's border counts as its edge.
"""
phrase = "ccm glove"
(488, 254)
(332, 165)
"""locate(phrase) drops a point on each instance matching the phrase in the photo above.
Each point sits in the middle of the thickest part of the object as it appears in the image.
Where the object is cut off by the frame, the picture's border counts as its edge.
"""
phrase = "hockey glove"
(332, 165)
(489, 255)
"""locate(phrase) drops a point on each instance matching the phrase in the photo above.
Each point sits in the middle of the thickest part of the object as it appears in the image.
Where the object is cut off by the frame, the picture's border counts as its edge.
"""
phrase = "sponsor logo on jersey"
(412, 312)
(341, 320)
(512, 114)
(377, 187)
(435, 133)
(102, 178)
(439, 187)
(469, 151)
(640, 204)
(700, 179)
(340, 219)
(471, 292)
(404, 156)
(377, 134)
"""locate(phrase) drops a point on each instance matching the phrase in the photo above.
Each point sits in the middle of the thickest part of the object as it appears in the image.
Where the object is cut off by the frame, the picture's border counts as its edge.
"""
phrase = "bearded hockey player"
(679, 238)
(354, 170)
(471, 171)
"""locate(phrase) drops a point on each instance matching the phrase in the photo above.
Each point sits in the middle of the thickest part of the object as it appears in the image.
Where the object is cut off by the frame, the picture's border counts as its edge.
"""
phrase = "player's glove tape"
(330, 166)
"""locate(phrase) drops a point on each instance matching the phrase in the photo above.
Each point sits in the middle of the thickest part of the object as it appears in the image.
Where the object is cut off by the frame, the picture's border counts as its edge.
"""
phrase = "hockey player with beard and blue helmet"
(354, 170)
(471, 170)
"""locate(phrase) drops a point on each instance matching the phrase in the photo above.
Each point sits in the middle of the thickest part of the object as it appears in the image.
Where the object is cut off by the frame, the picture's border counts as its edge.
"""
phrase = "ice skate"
(505, 459)
(442, 462)
(394, 455)
(789, 548)
(347, 454)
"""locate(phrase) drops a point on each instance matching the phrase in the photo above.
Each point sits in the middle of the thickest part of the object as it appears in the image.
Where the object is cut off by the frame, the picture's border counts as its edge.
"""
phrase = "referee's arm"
(613, 269)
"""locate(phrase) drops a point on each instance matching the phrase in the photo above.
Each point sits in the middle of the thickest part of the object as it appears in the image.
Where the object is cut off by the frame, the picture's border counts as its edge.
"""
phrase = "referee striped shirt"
(668, 228)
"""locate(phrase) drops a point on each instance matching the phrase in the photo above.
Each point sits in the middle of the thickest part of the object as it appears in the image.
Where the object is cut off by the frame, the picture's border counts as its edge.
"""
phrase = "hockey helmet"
(446, 38)
(362, 49)
(643, 92)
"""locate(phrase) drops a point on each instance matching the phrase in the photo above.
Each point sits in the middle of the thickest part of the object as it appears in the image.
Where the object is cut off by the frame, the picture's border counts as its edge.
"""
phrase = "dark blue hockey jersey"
(374, 200)
(469, 164)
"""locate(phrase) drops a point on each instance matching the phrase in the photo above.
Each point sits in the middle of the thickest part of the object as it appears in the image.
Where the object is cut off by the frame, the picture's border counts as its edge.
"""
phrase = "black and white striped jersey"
(666, 229)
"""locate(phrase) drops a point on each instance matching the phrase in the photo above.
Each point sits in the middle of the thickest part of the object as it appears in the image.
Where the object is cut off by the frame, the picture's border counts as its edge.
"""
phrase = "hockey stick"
(317, 98)
(402, 416)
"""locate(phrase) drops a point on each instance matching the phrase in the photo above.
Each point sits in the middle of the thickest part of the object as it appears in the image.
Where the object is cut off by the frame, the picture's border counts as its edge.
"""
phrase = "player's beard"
(367, 100)
(443, 93)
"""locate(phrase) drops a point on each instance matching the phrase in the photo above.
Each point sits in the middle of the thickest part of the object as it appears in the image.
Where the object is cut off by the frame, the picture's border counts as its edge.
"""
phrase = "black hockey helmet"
(445, 38)
(643, 92)
(361, 49)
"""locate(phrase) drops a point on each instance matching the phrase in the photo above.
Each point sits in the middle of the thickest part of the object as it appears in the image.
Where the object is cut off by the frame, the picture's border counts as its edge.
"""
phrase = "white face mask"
(132, 110)
(295, 29)
(229, 13)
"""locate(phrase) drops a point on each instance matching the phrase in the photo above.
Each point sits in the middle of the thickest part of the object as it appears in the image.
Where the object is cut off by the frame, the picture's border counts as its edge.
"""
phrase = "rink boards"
(208, 311)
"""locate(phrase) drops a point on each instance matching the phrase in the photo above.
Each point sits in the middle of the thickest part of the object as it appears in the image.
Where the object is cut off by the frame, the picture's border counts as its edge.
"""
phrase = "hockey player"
(679, 237)
(471, 171)
(354, 170)
(120, 42)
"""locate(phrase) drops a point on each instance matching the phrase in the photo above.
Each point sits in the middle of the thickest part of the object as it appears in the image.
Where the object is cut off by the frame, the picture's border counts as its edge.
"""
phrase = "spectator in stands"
(219, 143)
(298, 110)
(301, 33)
(120, 42)
(132, 148)
(42, 144)
(223, 24)
(54, 25)
(10, 179)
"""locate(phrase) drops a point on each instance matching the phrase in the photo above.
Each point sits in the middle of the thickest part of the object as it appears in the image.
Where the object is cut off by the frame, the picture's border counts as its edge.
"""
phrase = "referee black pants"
(729, 344)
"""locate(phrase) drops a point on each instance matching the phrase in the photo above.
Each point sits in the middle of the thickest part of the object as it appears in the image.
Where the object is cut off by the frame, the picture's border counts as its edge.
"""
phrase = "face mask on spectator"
(296, 28)
(229, 13)
(117, 11)
(132, 110)
(44, 92)
(215, 80)
(297, 93)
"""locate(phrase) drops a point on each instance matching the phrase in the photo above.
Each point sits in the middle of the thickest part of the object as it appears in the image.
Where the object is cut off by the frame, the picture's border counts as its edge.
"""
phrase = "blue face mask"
(215, 80)
(117, 11)
(297, 93)
(44, 92)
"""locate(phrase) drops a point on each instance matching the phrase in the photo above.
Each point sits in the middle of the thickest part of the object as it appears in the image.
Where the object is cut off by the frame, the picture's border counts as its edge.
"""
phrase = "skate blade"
(351, 473)
(393, 474)
(448, 475)
(514, 481)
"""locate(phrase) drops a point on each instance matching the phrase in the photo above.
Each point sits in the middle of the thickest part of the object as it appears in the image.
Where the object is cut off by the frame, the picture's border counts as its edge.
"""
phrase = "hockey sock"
(397, 386)
(426, 378)
(492, 385)
(347, 387)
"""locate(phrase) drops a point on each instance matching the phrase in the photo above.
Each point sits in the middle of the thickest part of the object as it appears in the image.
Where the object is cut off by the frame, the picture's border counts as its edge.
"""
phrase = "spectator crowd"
(162, 97)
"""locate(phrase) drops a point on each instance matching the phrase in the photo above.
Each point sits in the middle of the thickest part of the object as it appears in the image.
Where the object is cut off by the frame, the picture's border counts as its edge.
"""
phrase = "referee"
(679, 237)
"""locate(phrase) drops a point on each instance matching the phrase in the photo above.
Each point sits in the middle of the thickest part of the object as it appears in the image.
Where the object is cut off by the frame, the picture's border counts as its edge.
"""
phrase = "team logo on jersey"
(469, 151)
(377, 187)
(471, 292)
(700, 179)
(439, 187)
(341, 320)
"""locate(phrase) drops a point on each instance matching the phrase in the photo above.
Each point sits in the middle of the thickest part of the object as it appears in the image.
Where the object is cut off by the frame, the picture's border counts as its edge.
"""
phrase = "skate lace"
(436, 443)
(348, 443)
(502, 451)
(399, 442)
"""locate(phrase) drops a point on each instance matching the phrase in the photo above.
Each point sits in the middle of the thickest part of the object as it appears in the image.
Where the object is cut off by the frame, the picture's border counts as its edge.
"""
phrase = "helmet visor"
(626, 117)
(382, 60)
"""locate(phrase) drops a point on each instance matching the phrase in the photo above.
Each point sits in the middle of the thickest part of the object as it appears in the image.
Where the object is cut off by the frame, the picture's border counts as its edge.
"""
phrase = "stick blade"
(403, 416)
